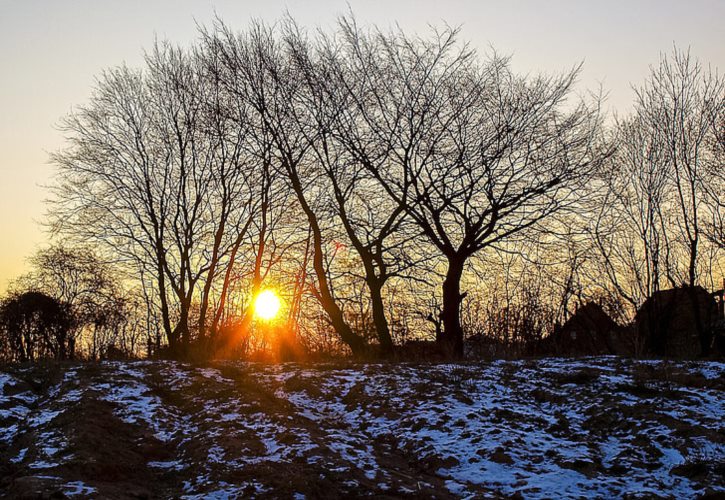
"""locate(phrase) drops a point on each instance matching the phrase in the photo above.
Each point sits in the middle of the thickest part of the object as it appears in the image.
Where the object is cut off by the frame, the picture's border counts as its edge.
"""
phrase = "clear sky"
(51, 50)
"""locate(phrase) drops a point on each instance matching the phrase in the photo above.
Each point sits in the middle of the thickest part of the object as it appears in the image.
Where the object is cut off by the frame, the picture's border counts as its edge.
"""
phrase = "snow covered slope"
(591, 427)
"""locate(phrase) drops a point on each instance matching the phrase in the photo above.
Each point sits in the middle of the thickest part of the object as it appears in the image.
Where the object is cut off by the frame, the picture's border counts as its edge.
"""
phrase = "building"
(678, 323)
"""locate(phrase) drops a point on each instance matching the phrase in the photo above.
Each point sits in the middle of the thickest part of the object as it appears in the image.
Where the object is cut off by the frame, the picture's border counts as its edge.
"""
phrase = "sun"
(266, 305)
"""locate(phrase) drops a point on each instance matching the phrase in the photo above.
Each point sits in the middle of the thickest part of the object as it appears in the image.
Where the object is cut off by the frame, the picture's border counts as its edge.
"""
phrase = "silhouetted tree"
(664, 185)
(262, 74)
(158, 172)
(34, 326)
(677, 105)
(473, 153)
(358, 172)
(103, 312)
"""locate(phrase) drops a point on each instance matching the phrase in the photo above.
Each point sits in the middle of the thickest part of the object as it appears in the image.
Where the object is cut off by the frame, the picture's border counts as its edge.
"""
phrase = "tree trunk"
(692, 266)
(381, 322)
(356, 343)
(171, 336)
(183, 333)
(452, 337)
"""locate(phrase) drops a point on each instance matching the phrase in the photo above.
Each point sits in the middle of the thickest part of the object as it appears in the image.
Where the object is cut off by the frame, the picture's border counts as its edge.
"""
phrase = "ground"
(588, 427)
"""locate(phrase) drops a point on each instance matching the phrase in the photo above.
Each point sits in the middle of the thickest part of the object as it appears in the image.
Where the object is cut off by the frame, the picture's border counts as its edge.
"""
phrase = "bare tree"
(473, 153)
(714, 182)
(262, 73)
(663, 186)
(156, 172)
(347, 170)
(630, 230)
(100, 311)
(677, 105)
(336, 87)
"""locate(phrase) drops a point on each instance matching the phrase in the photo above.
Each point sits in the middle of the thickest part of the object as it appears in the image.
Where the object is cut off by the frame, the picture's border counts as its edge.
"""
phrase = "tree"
(714, 182)
(335, 85)
(102, 311)
(157, 173)
(678, 106)
(357, 171)
(36, 326)
(631, 232)
(263, 75)
(663, 187)
(473, 154)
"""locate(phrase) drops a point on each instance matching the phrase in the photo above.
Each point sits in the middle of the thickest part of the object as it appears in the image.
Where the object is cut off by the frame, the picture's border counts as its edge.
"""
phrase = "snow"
(213, 374)
(74, 488)
(5, 379)
(711, 370)
(15, 407)
(455, 429)
(169, 465)
(20, 456)
(43, 417)
(587, 427)
(42, 464)
(135, 401)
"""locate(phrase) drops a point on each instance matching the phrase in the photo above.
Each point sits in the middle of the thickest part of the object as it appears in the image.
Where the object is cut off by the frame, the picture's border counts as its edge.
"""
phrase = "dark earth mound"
(590, 427)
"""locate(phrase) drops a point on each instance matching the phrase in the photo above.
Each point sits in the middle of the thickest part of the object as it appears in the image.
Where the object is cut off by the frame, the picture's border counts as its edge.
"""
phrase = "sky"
(51, 51)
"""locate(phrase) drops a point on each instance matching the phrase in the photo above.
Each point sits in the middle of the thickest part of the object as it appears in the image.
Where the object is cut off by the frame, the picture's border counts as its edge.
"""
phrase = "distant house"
(679, 322)
(590, 331)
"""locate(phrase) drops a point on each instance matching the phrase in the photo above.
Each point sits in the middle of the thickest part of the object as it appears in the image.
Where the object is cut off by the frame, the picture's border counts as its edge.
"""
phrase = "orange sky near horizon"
(51, 51)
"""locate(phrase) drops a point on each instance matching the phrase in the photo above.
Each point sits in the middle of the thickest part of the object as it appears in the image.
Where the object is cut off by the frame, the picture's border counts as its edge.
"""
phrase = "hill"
(594, 427)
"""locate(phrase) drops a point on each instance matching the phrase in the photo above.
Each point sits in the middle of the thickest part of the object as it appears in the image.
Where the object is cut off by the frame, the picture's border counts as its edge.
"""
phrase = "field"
(588, 427)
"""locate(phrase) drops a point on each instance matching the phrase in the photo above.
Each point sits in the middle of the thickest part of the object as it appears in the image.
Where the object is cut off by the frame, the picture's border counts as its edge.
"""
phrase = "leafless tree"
(631, 230)
(90, 292)
(714, 182)
(156, 173)
(661, 189)
(336, 96)
(263, 73)
(679, 105)
(472, 153)
(370, 174)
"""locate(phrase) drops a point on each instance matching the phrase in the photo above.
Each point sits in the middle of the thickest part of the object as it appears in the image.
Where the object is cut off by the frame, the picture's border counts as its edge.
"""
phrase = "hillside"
(594, 427)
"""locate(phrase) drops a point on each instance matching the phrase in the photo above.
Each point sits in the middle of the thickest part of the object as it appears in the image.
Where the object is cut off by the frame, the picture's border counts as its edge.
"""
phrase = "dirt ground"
(589, 427)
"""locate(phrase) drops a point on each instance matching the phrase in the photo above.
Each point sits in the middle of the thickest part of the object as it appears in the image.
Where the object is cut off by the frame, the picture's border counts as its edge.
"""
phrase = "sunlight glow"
(266, 305)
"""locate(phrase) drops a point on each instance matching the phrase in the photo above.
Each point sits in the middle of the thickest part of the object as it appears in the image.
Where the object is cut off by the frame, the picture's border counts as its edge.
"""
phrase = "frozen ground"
(593, 427)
